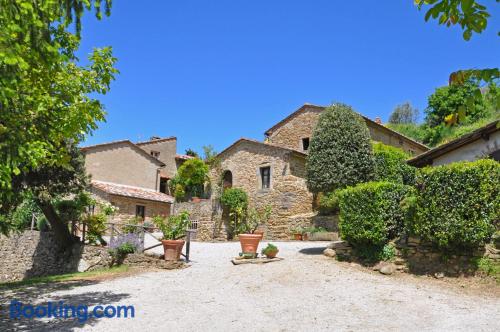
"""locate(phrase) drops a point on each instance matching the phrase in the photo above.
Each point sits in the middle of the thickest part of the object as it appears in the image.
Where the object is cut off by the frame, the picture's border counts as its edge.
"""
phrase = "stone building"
(295, 131)
(273, 172)
(133, 177)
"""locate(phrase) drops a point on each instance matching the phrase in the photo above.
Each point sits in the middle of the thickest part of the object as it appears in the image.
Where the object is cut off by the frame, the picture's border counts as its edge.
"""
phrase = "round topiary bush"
(458, 205)
(391, 166)
(371, 213)
(340, 153)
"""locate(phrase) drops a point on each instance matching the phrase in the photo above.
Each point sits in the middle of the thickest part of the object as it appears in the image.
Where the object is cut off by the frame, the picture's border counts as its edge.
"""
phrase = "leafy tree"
(404, 113)
(340, 153)
(472, 17)
(446, 104)
(210, 155)
(190, 178)
(192, 153)
(48, 186)
(45, 96)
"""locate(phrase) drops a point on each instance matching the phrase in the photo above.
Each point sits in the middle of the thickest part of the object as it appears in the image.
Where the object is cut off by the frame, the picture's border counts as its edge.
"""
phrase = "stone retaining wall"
(35, 254)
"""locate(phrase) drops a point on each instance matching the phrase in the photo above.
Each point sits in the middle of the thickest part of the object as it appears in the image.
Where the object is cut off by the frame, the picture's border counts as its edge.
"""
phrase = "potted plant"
(173, 229)
(297, 233)
(247, 228)
(270, 251)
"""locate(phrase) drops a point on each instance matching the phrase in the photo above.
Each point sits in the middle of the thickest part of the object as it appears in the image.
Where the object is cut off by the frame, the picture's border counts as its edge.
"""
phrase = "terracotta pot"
(172, 249)
(297, 236)
(196, 199)
(271, 254)
(249, 243)
(305, 237)
(261, 233)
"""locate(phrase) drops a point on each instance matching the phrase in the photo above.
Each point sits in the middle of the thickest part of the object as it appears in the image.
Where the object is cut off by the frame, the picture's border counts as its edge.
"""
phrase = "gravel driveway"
(304, 292)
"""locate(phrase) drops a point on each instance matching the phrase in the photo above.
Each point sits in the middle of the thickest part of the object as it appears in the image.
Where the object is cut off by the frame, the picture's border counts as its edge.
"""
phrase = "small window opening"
(265, 177)
(140, 211)
(305, 144)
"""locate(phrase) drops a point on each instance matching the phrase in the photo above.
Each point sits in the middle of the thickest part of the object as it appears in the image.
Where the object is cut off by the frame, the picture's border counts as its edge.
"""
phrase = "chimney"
(154, 138)
(378, 120)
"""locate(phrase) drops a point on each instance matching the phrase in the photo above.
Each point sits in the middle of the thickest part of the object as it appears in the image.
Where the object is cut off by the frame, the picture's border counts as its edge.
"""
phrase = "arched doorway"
(227, 180)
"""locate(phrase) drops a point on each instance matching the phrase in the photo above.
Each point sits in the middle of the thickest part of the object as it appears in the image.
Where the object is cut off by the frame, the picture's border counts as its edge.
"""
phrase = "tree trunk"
(60, 229)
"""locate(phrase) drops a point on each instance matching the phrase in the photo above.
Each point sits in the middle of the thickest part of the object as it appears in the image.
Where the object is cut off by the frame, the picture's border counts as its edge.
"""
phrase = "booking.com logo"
(18, 310)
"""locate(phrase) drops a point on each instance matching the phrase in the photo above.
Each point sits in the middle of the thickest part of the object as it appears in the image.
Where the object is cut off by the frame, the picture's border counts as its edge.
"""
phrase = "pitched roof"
(321, 108)
(133, 192)
(183, 156)
(427, 157)
(125, 141)
(252, 141)
(159, 140)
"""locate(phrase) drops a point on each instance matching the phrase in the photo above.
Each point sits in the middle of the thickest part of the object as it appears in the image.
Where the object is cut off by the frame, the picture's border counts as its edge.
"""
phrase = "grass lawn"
(97, 274)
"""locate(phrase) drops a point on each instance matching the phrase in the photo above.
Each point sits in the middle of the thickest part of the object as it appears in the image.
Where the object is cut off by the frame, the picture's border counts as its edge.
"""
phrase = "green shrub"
(340, 153)
(391, 166)
(329, 203)
(174, 227)
(388, 252)
(190, 179)
(233, 198)
(371, 213)
(458, 204)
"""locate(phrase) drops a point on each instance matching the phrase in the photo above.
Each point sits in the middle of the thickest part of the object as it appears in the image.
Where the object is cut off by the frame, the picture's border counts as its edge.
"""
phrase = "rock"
(82, 266)
(339, 245)
(378, 266)
(399, 261)
(329, 252)
(439, 275)
(388, 269)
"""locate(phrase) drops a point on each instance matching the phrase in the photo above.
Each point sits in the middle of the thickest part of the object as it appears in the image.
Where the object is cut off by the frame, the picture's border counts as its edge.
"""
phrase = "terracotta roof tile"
(130, 191)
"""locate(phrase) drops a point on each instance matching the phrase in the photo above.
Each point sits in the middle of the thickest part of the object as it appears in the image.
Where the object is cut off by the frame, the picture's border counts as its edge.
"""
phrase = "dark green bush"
(329, 203)
(458, 205)
(340, 153)
(391, 166)
(371, 213)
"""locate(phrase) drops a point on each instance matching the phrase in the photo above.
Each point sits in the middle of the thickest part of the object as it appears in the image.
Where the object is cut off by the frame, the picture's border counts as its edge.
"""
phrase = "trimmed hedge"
(390, 164)
(458, 205)
(371, 213)
(340, 153)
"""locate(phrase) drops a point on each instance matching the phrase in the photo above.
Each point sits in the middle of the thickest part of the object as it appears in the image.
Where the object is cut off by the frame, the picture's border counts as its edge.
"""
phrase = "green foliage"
(234, 198)
(446, 102)
(404, 114)
(253, 219)
(314, 229)
(96, 227)
(329, 203)
(340, 153)
(457, 205)
(471, 16)
(210, 156)
(270, 248)
(411, 130)
(190, 179)
(131, 226)
(371, 213)
(388, 252)
(488, 267)
(174, 227)
(391, 166)
(192, 153)
(46, 99)
(21, 217)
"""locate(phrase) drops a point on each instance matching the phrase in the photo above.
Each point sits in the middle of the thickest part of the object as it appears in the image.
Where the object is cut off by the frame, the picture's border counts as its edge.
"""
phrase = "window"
(265, 177)
(140, 211)
(155, 154)
(163, 185)
(305, 144)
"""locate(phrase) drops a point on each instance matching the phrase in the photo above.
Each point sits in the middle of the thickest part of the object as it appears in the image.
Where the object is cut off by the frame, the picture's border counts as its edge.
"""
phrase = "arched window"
(227, 180)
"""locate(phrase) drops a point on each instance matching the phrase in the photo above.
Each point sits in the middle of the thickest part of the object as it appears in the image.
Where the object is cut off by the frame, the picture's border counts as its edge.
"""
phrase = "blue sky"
(210, 72)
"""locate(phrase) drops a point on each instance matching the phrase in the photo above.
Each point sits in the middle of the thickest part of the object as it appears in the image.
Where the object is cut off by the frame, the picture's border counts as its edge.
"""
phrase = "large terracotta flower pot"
(249, 243)
(259, 232)
(172, 249)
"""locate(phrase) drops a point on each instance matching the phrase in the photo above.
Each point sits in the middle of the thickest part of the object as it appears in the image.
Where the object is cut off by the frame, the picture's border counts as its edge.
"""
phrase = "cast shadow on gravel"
(313, 251)
(31, 295)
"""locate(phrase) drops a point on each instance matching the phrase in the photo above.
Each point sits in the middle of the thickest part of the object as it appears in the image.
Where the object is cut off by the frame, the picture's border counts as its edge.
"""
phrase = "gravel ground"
(304, 292)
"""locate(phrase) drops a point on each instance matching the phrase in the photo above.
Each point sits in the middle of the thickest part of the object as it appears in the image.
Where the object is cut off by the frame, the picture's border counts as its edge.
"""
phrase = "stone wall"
(34, 254)
(31, 254)
(206, 213)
